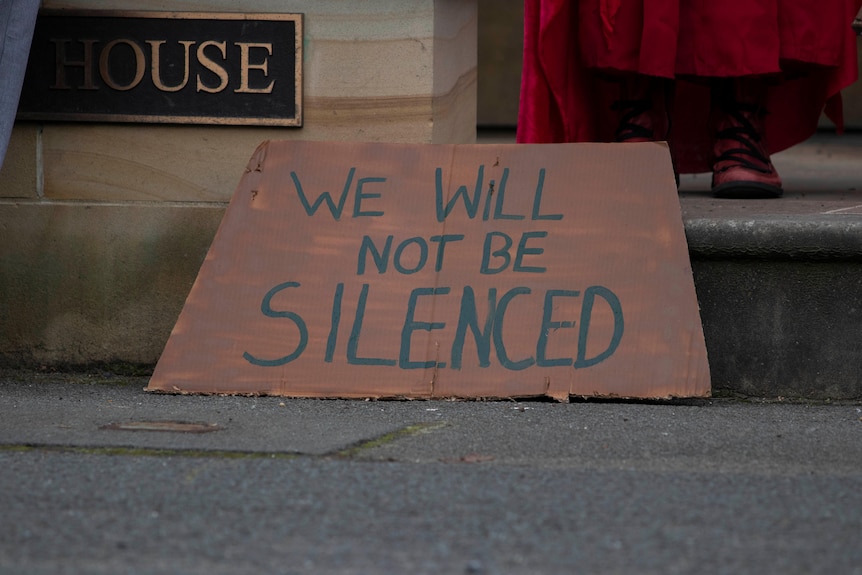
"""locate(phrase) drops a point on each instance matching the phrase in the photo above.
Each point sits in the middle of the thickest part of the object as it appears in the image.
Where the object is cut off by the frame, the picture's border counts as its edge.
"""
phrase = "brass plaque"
(165, 67)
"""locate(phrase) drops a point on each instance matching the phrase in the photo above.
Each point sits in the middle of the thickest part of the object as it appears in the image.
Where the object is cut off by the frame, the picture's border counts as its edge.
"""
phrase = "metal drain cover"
(174, 426)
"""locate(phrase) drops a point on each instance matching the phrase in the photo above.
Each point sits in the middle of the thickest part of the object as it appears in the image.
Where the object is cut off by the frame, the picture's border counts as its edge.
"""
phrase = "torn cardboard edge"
(559, 399)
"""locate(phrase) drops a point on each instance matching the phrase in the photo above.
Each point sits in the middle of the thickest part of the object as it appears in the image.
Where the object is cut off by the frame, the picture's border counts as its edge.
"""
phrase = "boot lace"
(628, 127)
(751, 153)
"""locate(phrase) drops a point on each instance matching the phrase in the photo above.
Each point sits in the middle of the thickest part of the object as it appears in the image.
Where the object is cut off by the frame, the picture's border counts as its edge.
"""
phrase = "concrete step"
(779, 282)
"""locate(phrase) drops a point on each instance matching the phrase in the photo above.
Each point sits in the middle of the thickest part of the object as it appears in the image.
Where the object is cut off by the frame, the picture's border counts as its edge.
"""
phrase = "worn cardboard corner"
(429, 271)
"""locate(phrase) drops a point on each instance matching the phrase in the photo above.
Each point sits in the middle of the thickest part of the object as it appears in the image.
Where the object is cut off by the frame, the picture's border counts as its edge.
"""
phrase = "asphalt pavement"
(99, 476)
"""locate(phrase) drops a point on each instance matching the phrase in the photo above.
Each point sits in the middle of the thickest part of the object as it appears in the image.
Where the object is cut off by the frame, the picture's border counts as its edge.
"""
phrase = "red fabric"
(808, 48)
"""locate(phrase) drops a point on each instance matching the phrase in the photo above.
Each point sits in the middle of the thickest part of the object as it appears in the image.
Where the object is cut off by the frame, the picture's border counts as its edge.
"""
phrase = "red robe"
(810, 46)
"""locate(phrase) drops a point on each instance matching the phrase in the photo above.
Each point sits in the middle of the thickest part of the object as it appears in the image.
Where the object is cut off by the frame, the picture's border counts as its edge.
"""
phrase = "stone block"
(501, 46)
(20, 176)
(121, 163)
(106, 225)
(782, 328)
(852, 98)
(781, 300)
(86, 283)
(381, 70)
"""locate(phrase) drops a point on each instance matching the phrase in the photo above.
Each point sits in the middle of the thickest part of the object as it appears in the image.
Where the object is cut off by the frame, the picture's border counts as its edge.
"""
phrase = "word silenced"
(485, 332)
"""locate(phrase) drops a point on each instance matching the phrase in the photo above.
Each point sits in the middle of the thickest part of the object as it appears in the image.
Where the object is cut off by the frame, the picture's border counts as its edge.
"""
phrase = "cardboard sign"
(431, 271)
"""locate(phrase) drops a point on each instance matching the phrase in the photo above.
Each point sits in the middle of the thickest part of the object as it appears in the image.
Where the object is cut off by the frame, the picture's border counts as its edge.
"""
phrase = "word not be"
(417, 253)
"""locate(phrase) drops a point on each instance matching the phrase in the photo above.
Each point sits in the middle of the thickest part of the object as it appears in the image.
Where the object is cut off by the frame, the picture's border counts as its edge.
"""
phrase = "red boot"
(741, 165)
(644, 108)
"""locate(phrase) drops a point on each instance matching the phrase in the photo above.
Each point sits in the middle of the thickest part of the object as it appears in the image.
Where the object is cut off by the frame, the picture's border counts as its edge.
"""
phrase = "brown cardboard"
(596, 297)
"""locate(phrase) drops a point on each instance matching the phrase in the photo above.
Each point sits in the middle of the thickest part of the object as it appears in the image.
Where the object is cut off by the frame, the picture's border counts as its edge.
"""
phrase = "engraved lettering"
(62, 62)
(212, 66)
(105, 70)
(245, 66)
(155, 66)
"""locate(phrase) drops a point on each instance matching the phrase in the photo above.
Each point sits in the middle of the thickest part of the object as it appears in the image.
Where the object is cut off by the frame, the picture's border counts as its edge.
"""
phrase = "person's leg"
(17, 20)
(644, 108)
(741, 166)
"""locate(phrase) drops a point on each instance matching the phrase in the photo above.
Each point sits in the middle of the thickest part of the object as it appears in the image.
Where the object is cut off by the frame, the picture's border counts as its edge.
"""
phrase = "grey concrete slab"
(712, 436)
(822, 181)
(72, 410)
(70, 513)
(817, 217)
(716, 486)
(822, 175)
(703, 435)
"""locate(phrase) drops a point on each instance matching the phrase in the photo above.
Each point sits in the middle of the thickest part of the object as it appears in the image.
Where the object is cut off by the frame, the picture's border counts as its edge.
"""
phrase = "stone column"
(106, 224)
